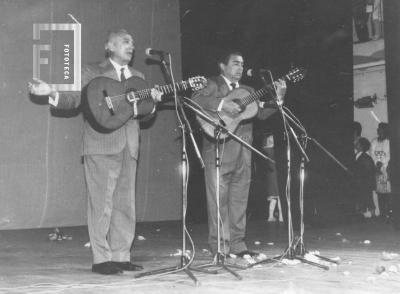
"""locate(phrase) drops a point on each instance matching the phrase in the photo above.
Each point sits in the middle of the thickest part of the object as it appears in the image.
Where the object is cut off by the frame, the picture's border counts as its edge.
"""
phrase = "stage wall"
(41, 171)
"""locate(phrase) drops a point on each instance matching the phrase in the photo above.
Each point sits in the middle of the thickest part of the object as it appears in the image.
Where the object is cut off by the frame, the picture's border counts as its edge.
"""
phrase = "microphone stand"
(185, 261)
(300, 249)
(290, 252)
(190, 131)
(293, 251)
(296, 248)
(219, 260)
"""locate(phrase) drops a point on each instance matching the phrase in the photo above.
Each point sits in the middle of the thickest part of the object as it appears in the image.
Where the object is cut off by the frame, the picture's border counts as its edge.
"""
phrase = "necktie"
(233, 85)
(123, 78)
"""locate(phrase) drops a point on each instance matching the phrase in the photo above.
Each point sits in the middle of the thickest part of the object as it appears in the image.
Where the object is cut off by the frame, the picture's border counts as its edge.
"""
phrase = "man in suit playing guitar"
(235, 158)
(110, 161)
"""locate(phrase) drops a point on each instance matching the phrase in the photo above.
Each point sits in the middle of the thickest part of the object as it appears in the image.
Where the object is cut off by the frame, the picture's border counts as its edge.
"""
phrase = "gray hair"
(111, 36)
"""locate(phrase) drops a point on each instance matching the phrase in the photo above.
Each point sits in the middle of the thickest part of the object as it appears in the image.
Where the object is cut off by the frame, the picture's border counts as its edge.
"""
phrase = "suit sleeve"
(264, 113)
(269, 107)
(72, 99)
(208, 97)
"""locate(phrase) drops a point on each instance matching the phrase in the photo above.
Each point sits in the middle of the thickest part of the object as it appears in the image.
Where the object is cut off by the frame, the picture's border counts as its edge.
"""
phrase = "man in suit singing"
(110, 161)
(235, 158)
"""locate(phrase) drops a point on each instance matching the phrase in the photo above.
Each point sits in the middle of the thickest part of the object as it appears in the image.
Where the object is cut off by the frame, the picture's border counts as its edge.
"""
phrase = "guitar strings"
(146, 93)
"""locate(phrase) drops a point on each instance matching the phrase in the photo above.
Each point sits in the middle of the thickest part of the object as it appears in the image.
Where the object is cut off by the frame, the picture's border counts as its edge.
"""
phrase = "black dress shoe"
(106, 268)
(127, 266)
(246, 252)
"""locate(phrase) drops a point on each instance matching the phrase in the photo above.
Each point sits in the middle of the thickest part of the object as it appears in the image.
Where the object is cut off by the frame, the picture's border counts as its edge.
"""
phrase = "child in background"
(364, 178)
(380, 153)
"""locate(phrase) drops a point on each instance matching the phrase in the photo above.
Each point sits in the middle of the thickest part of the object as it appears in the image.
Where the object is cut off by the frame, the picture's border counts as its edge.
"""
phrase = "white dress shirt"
(118, 67)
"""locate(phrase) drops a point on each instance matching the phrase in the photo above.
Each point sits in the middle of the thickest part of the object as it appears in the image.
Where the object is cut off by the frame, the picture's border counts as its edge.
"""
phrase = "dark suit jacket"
(209, 98)
(95, 142)
(364, 173)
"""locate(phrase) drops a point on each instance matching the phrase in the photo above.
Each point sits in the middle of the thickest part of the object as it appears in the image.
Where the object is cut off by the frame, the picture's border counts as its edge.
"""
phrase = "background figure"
(364, 178)
(377, 20)
(271, 178)
(380, 152)
(357, 130)
(360, 17)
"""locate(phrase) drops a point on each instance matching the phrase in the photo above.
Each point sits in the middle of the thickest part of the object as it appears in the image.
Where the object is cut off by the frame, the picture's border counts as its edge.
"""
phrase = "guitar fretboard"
(258, 94)
(166, 89)
(254, 96)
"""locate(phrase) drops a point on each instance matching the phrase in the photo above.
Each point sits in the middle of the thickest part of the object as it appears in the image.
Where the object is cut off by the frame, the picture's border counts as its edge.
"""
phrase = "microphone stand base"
(173, 269)
(219, 263)
(291, 255)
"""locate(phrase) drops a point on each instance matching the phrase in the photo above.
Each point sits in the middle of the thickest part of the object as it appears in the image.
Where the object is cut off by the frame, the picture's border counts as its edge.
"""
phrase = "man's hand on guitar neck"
(280, 88)
(41, 88)
(156, 94)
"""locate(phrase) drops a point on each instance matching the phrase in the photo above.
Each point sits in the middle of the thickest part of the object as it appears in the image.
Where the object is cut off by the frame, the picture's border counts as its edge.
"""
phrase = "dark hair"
(357, 128)
(364, 144)
(384, 127)
(226, 54)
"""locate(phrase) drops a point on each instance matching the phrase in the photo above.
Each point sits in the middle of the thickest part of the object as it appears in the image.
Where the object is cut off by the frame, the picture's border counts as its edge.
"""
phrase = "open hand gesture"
(39, 88)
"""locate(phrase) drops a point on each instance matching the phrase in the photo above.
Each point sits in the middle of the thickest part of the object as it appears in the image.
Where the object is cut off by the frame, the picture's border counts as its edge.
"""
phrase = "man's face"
(122, 48)
(381, 132)
(233, 70)
(358, 147)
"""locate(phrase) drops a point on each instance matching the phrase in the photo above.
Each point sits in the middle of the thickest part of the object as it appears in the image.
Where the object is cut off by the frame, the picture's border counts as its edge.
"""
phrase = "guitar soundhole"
(240, 104)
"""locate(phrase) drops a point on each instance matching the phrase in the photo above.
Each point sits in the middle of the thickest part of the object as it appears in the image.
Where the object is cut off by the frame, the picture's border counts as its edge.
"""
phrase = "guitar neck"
(166, 89)
(259, 93)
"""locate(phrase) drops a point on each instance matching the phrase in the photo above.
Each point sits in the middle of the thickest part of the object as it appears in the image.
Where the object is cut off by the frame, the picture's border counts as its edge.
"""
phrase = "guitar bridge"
(130, 96)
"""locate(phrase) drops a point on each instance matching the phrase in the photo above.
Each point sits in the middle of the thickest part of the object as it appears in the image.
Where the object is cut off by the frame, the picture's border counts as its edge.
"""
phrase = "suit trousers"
(234, 191)
(110, 182)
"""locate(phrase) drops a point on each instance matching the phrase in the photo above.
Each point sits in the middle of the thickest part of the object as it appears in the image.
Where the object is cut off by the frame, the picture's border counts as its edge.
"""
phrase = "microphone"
(250, 72)
(151, 52)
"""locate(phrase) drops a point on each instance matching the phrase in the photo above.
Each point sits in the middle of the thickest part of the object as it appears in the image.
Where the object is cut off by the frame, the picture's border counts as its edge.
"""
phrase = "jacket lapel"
(222, 86)
(108, 70)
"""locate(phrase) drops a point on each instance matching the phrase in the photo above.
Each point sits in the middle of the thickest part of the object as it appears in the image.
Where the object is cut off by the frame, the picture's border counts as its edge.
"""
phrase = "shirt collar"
(228, 82)
(117, 66)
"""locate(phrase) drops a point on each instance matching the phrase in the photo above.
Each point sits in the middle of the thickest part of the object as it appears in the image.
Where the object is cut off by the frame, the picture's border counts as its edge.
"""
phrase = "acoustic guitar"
(247, 101)
(111, 103)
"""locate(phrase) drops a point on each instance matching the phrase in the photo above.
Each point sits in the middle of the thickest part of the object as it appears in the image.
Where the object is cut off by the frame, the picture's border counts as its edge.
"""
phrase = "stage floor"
(31, 263)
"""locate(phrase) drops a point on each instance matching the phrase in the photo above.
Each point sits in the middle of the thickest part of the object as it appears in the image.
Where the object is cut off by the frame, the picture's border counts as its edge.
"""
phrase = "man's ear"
(109, 46)
(221, 66)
